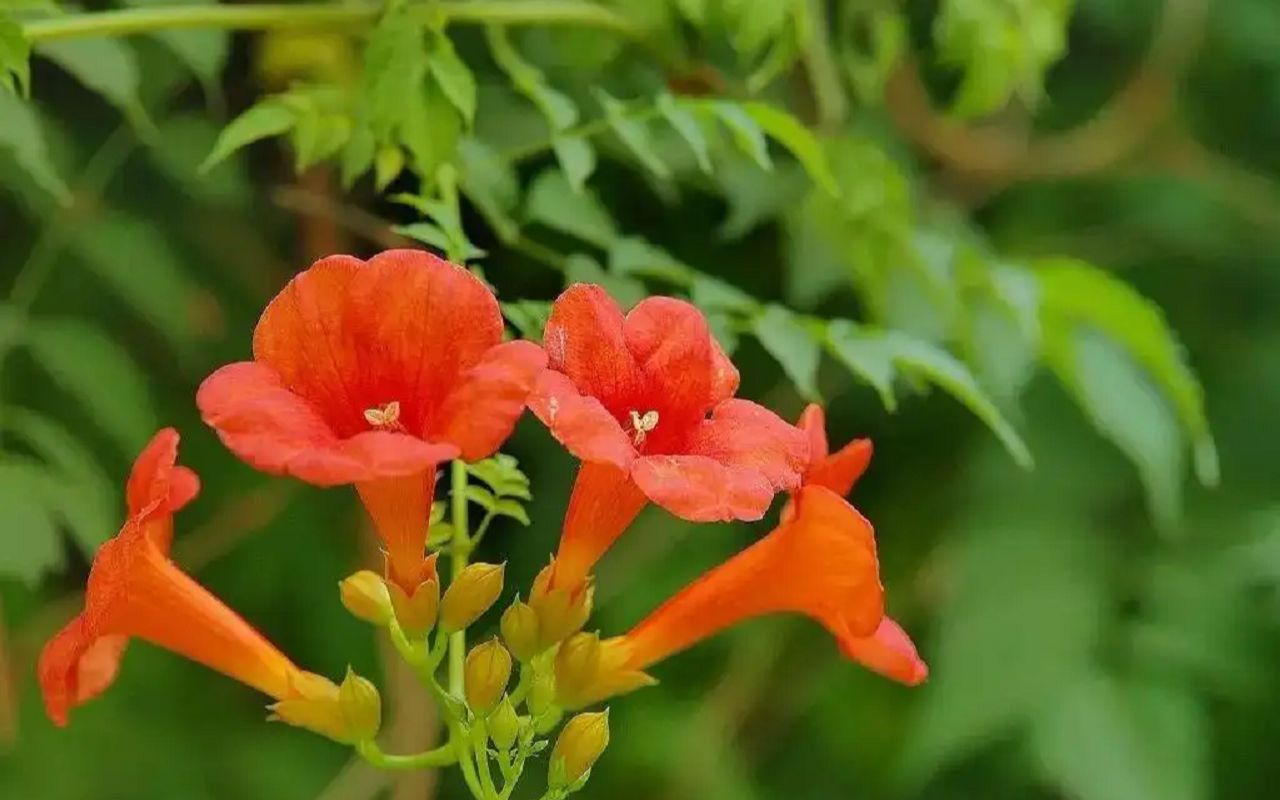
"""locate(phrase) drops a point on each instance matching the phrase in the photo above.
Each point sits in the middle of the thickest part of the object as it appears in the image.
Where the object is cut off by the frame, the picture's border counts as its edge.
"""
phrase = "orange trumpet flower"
(373, 373)
(136, 591)
(820, 563)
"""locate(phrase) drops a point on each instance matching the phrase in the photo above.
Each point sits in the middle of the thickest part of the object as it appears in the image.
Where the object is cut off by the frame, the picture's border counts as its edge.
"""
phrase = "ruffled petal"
(348, 336)
(155, 481)
(479, 415)
(671, 342)
(275, 430)
(701, 489)
(813, 421)
(745, 436)
(890, 652)
(584, 339)
(841, 470)
(74, 668)
(580, 422)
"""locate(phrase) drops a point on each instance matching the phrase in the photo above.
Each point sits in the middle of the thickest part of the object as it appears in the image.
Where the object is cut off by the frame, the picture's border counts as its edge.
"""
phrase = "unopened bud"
(562, 611)
(470, 595)
(366, 596)
(488, 669)
(589, 670)
(520, 631)
(580, 745)
(416, 613)
(348, 714)
(542, 692)
(504, 725)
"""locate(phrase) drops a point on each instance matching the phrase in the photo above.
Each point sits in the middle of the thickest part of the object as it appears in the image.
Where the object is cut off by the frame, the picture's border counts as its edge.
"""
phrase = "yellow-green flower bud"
(366, 596)
(348, 714)
(520, 631)
(487, 671)
(361, 707)
(504, 725)
(542, 692)
(580, 745)
(561, 612)
(470, 595)
(416, 613)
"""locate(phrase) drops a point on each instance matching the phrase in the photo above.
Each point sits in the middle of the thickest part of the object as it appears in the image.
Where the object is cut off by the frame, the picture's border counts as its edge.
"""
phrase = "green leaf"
(185, 141)
(1019, 626)
(454, 77)
(204, 52)
(481, 497)
(490, 182)
(686, 123)
(269, 117)
(99, 373)
(581, 268)
(15, 58)
(554, 203)
(512, 509)
(21, 135)
(559, 111)
(793, 345)
(632, 255)
(1105, 738)
(105, 66)
(945, 370)
(747, 133)
(430, 131)
(633, 133)
(395, 66)
(31, 545)
(528, 317)
(317, 135)
(788, 131)
(85, 496)
(1074, 293)
(576, 157)
(135, 260)
(867, 354)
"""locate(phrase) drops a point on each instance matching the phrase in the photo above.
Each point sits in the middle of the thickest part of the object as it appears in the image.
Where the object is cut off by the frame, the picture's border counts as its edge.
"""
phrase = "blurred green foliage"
(970, 227)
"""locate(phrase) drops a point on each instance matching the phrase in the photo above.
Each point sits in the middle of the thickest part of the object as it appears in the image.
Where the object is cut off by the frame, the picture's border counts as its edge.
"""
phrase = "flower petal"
(604, 502)
(348, 335)
(841, 470)
(579, 422)
(75, 668)
(584, 340)
(673, 346)
(813, 421)
(155, 480)
(701, 489)
(890, 652)
(277, 431)
(743, 435)
(480, 413)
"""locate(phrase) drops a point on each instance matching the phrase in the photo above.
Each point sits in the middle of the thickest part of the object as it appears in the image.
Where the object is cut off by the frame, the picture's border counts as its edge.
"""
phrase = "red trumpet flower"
(372, 373)
(135, 591)
(646, 401)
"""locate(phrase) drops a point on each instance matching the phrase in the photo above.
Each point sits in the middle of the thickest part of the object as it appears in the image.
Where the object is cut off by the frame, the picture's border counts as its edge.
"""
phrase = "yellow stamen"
(384, 417)
(642, 424)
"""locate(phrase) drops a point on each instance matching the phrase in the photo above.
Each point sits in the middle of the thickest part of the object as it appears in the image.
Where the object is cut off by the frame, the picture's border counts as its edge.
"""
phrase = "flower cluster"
(375, 374)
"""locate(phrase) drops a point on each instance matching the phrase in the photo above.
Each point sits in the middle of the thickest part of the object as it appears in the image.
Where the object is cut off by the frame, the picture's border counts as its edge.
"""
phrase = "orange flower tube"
(136, 591)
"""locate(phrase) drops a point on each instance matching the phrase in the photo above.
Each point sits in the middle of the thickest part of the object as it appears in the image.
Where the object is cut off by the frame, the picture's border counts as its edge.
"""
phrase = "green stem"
(460, 553)
(324, 15)
(439, 757)
(480, 746)
(824, 77)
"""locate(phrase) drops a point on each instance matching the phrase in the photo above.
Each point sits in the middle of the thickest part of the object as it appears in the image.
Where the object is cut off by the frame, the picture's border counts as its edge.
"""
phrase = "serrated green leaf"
(105, 66)
(685, 122)
(317, 135)
(1075, 293)
(633, 133)
(395, 67)
(481, 497)
(789, 132)
(21, 135)
(15, 58)
(135, 260)
(793, 345)
(945, 370)
(528, 317)
(867, 355)
(553, 202)
(99, 373)
(360, 154)
(1141, 741)
(746, 132)
(85, 497)
(512, 509)
(577, 158)
(269, 117)
(454, 78)
(430, 130)
(31, 545)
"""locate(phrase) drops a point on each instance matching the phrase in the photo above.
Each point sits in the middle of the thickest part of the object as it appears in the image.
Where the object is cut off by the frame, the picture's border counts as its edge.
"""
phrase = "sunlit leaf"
(577, 158)
(793, 344)
(746, 132)
(685, 122)
(268, 118)
(866, 354)
(633, 133)
(490, 182)
(788, 131)
(15, 55)
(454, 77)
(553, 202)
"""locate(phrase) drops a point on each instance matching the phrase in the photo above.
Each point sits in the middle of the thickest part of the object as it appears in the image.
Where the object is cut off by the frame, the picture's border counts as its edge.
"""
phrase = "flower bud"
(470, 595)
(589, 670)
(520, 631)
(416, 613)
(348, 714)
(580, 745)
(542, 692)
(504, 725)
(487, 671)
(366, 596)
(561, 612)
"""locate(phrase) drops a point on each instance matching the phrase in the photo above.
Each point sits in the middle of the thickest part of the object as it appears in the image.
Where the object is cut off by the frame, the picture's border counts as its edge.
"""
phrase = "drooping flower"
(373, 373)
(889, 651)
(646, 402)
(136, 591)
(820, 563)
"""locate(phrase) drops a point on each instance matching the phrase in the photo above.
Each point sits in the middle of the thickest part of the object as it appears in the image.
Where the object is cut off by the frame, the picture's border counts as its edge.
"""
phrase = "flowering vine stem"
(323, 15)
